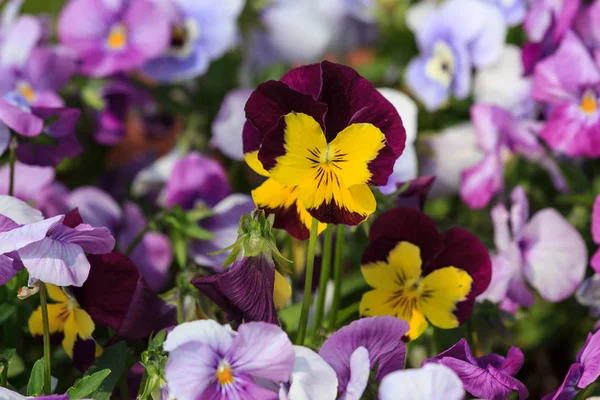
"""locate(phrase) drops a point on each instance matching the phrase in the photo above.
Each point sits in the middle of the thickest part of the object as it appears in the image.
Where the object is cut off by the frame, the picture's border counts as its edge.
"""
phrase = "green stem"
(180, 313)
(46, 326)
(12, 157)
(337, 276)
(325, 271)
(123, 386)
(310, 263)
(137, 239)
(4, 373)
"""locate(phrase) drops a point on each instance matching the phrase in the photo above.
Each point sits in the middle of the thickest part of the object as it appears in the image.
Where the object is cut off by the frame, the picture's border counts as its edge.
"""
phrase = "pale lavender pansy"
(490, 377)
(354, 350)
(113, 36)
(569, 83)
(311, 378)
(586, 25)
(223, 224)
(405, 167)
(201, 31)
(29, 180)
(430, 382)
(194, 178)
(543, 13)
(7, 394)
(500, 135)
(208, 360)
(581, 374)
(513, 11)
(151, 180)
(545, 251)
(19, 35)
(229, 123)
(503, 84)
(459, 35)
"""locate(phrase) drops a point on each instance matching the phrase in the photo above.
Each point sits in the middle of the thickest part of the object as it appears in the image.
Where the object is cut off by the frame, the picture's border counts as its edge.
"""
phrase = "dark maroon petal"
(331, 213)
(531, 53)
(306, 79)
(147, 314)
(73, 219)
(273, 99)
(252, 138)
(402, 224)
(107, 292)
(415, 195)
(464, 250)
(84, 353)
(289, 219)
(463, 310)
(248, 286)
(210, 287)
(49, 155)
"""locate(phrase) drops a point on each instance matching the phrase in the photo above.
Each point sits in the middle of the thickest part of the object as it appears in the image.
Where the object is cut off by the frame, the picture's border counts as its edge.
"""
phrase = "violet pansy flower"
(513, 11)
(311, 378)
(201, 31)
(208, 360)
(545, 251)
(354, 350)
(499, 135)
(458, 36)
(581, 374)
(569, 82)
(430, 382)
(489, 377)
(113, 36)
(542, 13)
(229, 123)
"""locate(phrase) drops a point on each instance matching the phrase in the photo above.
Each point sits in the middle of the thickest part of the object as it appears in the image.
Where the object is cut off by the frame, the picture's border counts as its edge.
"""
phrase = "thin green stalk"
(325, 270)
(123, 386)
(310, 263)
(180, 311)
(12, 157)
(46, 326)
(137, 239)
(337, 275)
(4, 373)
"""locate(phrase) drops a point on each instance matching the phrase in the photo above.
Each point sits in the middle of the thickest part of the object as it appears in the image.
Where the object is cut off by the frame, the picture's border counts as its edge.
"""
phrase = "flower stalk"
(337, 275)
(325, 271)
(12, 157)
(307, 300)
(46, 327)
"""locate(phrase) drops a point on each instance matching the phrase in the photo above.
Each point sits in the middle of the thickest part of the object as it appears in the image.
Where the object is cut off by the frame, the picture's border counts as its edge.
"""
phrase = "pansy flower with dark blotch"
(419, 274)
(322, 134)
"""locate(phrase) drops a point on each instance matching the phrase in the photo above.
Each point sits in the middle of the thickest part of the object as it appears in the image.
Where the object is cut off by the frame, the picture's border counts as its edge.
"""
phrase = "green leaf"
(179, 249)
(44, 139)
(87, 385)
(8, 354)
(197, 215)
(6, 311)
(36, 379)
(114, 359)
(196, 232)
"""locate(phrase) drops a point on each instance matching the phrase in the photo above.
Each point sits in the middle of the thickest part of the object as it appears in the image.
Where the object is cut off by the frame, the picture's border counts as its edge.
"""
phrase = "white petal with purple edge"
(91, 240)
(55, 262)
(554, 254)
(19, 211)
(312, 378)
(190, 369)
(208, 332)
(20, 40)
(360, 369)
(502, 236)
(431, 382)
(262, 350)
(24, 235)
(6, 394)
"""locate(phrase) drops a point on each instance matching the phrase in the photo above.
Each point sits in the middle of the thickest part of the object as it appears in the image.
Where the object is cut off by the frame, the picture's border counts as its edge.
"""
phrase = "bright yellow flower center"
(589, 103)
(26, 91)
(400, 290)
(224, 374)
(117, 37)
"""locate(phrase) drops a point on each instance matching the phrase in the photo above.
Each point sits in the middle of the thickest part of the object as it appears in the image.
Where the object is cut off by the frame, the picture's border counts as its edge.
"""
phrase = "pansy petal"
(500, 219)
(519, 212)
(56, 293)
(403, 264)
(96, 207)
(22, 122)
(431, 382)
(19, 211)
(18, 238)
(359, 374)
(206, 332)
(589, 357)
(56, 320)
(262, 350)
(19, 42)
(555, 255)
(190, 369)
(417, 324)
(91, 240)
(482, 181)
(311, 377)
(378, 302)
(445, 287)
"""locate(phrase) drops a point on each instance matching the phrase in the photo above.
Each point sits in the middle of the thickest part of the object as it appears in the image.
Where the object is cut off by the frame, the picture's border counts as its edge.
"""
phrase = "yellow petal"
(57, 315)
(304, 141)
(282, 291)
(353, 149)
(440, 292)
(380, 275)
(377, 302)
(254, 163)
(56, 293)
(79, 322)
(272, 194)
(405, 258)
(417, 324)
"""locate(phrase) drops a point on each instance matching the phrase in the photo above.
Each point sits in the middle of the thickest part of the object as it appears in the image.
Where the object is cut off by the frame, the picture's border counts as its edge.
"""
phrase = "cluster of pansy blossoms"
(299, 199)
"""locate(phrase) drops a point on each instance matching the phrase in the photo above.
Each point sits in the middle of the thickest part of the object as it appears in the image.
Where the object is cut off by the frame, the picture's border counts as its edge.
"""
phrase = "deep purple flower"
(544, 250)
(53, 252)
(229, 123)
(499, 135)
(354, 350)
(200, 31)
(415, 195)
(490, 377)
(582, 373)
(569, 82)
(196, 178)
(114, 36)
(458, 36)
(208, 360)
(543, 13)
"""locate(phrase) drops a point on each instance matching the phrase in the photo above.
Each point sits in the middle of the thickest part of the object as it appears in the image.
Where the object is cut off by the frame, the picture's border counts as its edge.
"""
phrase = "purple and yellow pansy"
(420, 275)
(321, 134)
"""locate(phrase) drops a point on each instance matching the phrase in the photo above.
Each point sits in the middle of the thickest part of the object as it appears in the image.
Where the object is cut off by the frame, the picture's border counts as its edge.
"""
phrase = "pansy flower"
(490, 377)
(430, 382)
(419, 274)
(323, 134)
(66, 317)
(7, 394)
